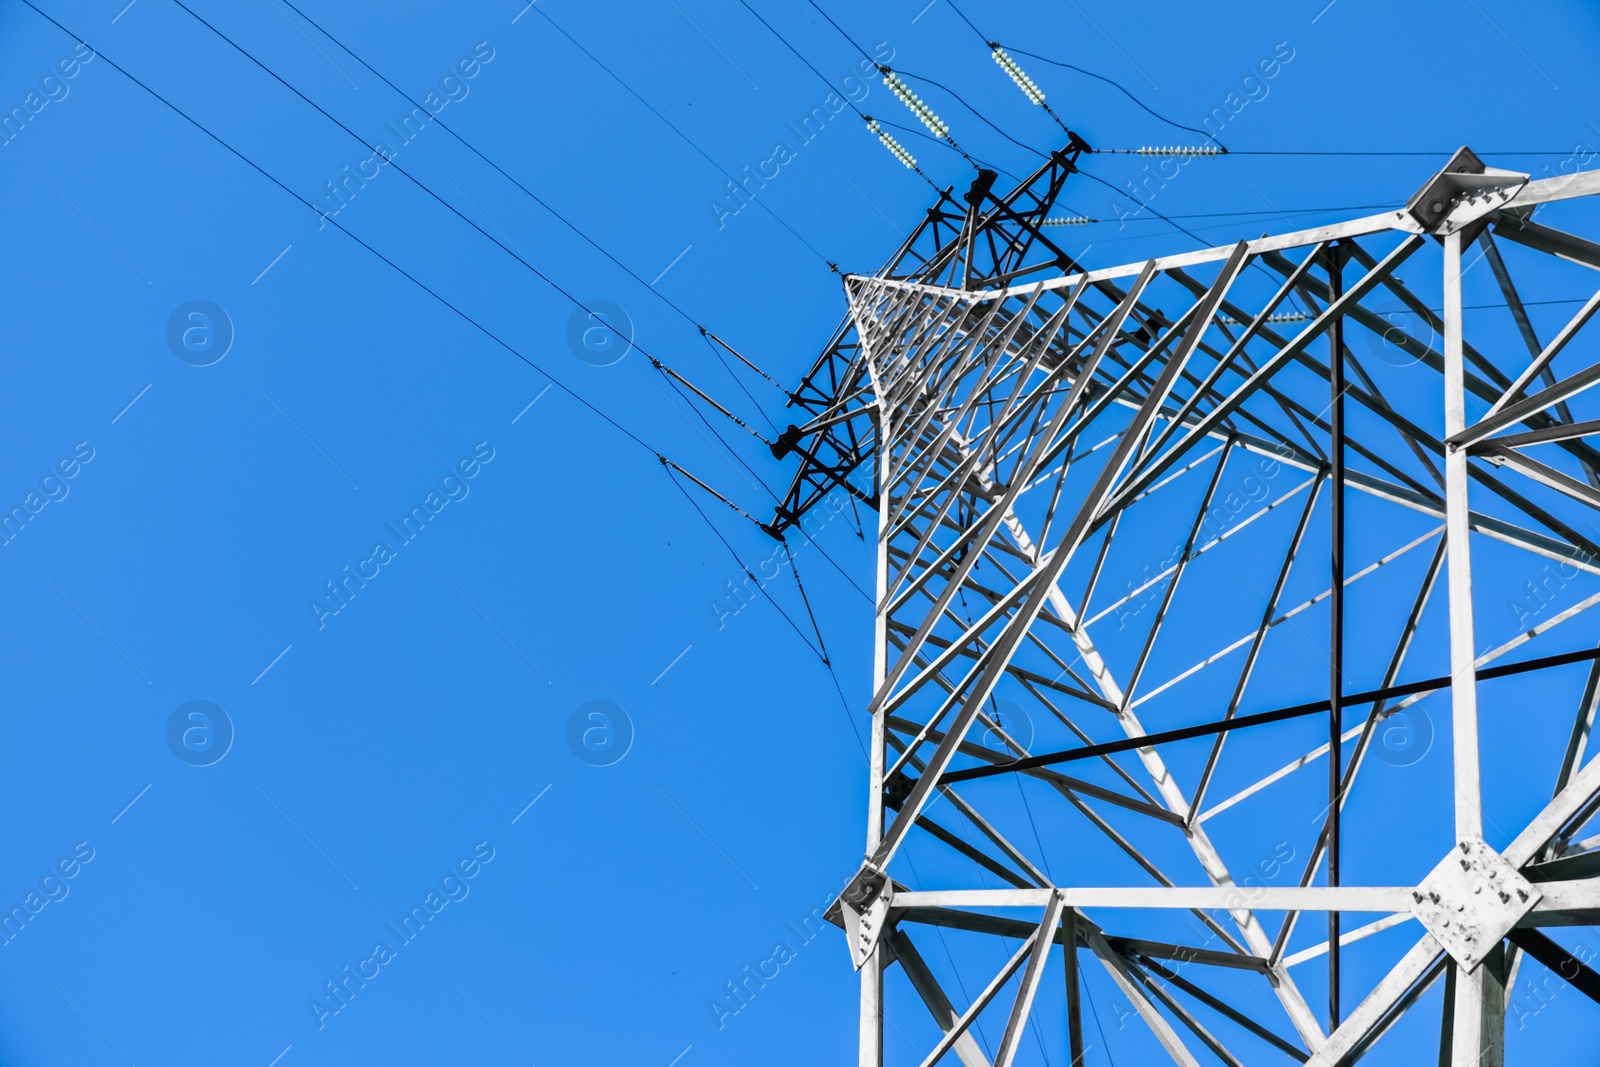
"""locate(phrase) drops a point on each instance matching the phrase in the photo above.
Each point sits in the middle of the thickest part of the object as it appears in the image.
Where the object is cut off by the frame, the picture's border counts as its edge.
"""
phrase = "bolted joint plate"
(864, 911)
(1471, 900)
(1462, 193)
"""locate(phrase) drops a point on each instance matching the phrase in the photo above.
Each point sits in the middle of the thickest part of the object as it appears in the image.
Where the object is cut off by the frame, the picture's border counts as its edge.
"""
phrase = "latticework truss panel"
(1154, 541)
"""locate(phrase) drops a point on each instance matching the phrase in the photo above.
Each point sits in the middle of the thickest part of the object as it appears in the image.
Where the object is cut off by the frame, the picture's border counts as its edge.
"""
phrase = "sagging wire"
(785, 41)
(669, 124)
(547, 207)
(705, 335)
(913, 102)
(1124, 91)
(1083, 983)
(1029, 87)
(756, 480)
(492, 164)
(716, 439)
(836, 26)
(736, 420)
(819, 649)
(514, 253)
(980, 161)
(1146, 207)
(750, 475)
(413, 279)
(667, 464)
(960, 100)
(795, 570)
(741, 358)
(670, 467)
(1089, 73)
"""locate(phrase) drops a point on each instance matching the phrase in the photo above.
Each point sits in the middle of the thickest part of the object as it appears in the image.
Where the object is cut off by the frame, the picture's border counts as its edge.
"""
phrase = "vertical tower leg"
(1478, 1023)
(871, 1042)
(1069, 946)
(872, 1010)
(1335, 617)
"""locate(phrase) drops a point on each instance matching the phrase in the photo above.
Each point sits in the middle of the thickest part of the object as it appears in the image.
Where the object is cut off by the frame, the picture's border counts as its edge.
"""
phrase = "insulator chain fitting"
(892, 145)
(914, 103)
(1282, 316)
(1018, 75)
(1180, 151)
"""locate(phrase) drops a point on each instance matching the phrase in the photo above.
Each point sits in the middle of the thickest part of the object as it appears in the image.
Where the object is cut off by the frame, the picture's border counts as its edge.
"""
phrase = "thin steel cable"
(1115, 84)
(960, 100)
(415, 181)
(683, 136)
(1146, 207)
(744, 569)
(341, 228)
(496, 167)
(535, 198)
(415, 281)
(756, 479)
(822, 655)
(785, 41)
(795, 570)
(864, 55)
(737, 381)
(846, 36)
(399, 169)
(913, 131)
(1083, 984)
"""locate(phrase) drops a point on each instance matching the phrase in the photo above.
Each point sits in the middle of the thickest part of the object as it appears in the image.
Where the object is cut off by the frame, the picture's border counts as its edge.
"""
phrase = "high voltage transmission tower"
(1175, 584)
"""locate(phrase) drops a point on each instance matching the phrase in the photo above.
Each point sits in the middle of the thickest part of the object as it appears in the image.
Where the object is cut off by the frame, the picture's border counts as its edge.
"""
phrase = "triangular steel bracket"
(864, 913)
(1463, 192)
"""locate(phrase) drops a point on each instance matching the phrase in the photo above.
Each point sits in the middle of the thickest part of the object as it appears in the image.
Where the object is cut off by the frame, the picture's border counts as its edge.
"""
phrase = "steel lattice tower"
(1139, 530)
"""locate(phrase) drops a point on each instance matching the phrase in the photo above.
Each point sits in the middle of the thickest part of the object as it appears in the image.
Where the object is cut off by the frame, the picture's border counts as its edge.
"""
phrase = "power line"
(846, 36)
(1145, 207)
(1114, 84)
(450, 207)
(1319, 152)
(669, 124)
(497, 168)
(943, 144)
(1109, 81)
(969, 107)
(456, 211)
(899, 89)
(533, 196)
(797, 54)
(401, 170)
(976, 112)
(754, 479)
(1282, 211)
(666, 464)
(340, 226)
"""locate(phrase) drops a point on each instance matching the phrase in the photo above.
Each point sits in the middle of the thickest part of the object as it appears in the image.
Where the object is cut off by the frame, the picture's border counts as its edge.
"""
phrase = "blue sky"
(380, 751)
